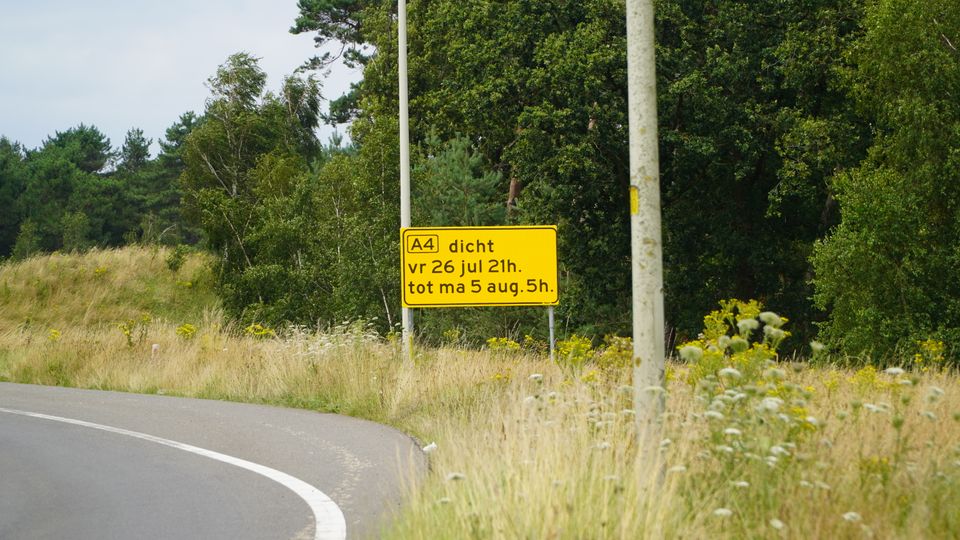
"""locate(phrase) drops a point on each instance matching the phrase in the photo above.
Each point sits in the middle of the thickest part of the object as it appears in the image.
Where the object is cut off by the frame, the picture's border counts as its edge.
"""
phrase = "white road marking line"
(330, 523)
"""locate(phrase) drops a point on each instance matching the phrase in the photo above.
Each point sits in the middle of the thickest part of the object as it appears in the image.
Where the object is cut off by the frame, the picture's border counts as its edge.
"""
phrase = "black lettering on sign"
(423, 243)
(452, 288)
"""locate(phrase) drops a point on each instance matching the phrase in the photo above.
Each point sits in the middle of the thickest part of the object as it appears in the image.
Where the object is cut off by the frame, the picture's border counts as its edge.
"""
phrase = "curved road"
(89, 465)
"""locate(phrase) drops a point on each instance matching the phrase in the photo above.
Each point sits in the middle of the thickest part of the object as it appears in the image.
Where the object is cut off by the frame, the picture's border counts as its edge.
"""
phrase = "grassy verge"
(525, 449)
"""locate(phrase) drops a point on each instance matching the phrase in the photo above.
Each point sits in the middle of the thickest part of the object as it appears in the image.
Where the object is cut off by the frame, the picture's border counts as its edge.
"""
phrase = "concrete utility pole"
(646, 251)
(407, 314)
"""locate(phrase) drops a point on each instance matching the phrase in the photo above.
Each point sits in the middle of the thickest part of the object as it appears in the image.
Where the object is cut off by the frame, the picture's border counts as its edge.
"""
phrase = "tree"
(244, 184)
(338, 22)
(885, 273)
(171, 148)
(84, 146)
(76, 232)
(28, 241)
(453, 186)
(13, 178)
(752, 126)
(135, 152)
(53, 176)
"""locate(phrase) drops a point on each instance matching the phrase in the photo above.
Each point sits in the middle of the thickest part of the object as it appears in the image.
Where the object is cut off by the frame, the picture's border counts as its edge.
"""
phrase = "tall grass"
(103, 287)
(525, 449)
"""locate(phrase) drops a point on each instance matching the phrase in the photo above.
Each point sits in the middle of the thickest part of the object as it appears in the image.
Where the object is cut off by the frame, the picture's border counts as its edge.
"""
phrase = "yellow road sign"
(479, 266)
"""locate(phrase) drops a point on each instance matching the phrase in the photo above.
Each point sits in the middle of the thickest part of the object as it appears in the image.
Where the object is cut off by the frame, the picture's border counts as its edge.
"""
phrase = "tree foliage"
(13, 179)
(751, 129)
(76, 192)
(886, 273)
(245, 186)
(808, 150)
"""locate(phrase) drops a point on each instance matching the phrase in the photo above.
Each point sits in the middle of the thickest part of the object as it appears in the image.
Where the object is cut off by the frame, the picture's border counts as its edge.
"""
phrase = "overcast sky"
(123, 64)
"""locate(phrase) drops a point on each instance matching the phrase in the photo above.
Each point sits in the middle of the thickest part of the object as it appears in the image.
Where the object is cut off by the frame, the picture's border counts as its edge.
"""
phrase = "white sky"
(121, 64)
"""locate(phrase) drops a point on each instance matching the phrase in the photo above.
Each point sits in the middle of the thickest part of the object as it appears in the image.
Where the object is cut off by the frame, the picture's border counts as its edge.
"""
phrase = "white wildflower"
(665, 443)
(930, 415)
(729, 372)
(773, 333)
(816, 346)
(713, 415)
(536, 377)
(747, 325)
(771, 318)
(738, 344)
(775, 374)
(732, 431)
(852, 517)
(677, 469)
(777, 524)
(723, 341)
(429, 448)
(740, 484)
(769, 404)
(778, 450)
(724, 448)
(894, 371)
(604, 445)
(723, 512)
(691, 353)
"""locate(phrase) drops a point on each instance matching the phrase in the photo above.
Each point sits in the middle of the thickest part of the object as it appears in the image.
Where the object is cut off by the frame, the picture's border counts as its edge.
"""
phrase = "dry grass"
(554, 455)
(559, 460)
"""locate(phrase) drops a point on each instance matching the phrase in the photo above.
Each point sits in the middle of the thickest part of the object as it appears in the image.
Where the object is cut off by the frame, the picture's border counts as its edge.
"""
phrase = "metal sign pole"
(552, 340)
(407, 313)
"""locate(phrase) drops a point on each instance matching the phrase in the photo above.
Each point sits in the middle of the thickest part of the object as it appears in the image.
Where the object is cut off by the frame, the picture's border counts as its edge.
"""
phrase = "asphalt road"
(84, 464)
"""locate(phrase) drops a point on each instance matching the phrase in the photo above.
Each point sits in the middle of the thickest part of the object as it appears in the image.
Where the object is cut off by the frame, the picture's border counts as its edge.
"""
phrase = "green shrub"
(177, 257)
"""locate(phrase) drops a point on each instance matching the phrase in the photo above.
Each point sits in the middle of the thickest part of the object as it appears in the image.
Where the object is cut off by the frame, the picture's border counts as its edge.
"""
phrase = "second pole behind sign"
(407, 313)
